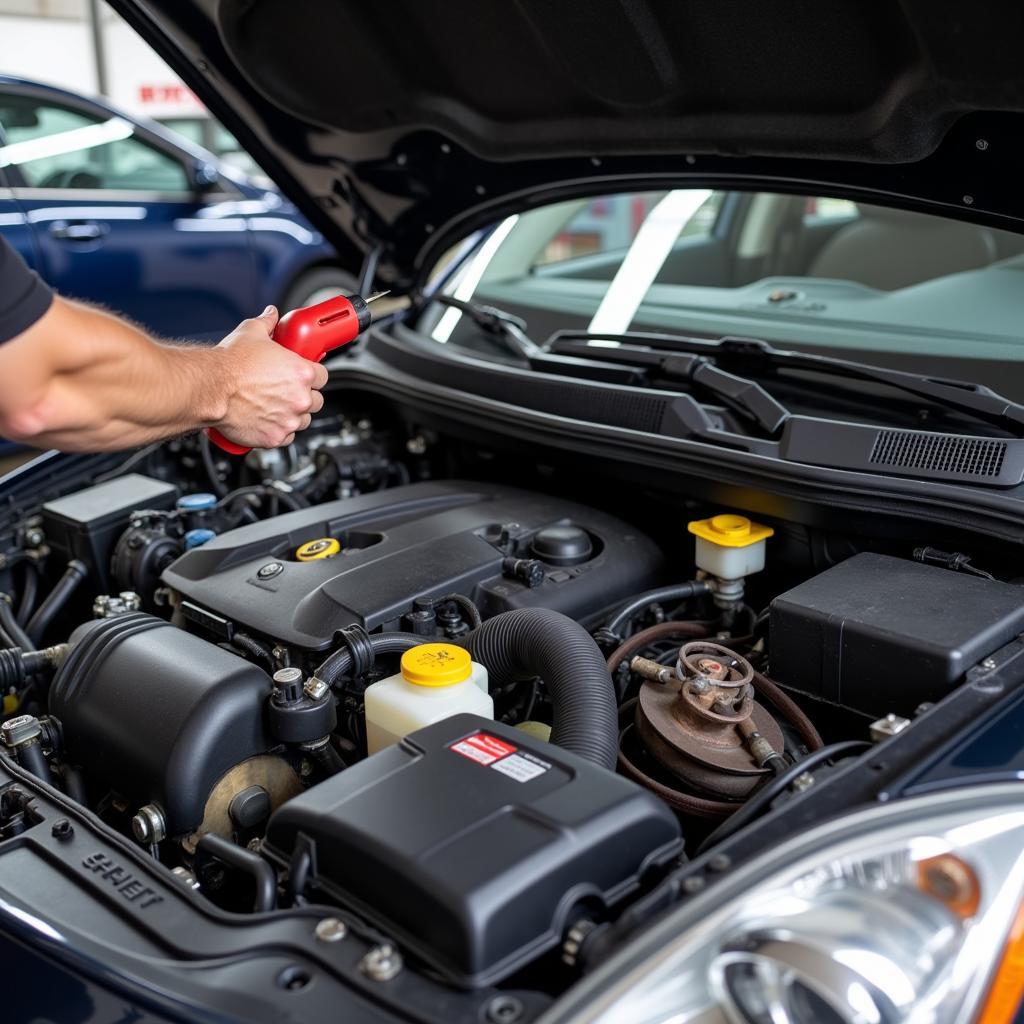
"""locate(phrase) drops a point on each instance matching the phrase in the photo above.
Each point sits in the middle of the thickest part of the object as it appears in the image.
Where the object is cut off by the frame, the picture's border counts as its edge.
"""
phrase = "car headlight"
(908, 912)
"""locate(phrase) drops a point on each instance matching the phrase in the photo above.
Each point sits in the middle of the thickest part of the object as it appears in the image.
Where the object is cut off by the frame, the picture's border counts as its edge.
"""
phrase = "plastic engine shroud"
(422, 540)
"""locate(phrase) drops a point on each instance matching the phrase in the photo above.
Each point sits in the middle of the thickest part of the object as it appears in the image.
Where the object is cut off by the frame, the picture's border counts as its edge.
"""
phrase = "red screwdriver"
(312, 332)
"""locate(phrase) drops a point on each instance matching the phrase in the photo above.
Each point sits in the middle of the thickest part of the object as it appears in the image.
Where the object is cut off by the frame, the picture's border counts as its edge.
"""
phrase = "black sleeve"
(24, 297)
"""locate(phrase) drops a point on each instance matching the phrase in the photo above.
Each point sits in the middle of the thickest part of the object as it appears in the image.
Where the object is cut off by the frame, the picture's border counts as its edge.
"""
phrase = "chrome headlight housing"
(908, 912)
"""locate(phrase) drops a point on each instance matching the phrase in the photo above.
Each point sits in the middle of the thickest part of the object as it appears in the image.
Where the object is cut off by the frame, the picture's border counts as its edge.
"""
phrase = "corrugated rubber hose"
(529, 642)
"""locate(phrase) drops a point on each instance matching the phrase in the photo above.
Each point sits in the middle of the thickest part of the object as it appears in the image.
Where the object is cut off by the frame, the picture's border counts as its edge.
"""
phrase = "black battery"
(86, 524)
(878, 634)
(476, 846)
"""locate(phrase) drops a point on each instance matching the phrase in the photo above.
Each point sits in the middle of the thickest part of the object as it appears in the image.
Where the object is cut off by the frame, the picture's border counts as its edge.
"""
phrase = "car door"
(119, 217)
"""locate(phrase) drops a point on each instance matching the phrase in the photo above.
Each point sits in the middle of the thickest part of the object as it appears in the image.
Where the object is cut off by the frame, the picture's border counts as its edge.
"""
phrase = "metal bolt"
(148, 825)
(504, 1010)
(988, 664)
(382, 963)
(185, 877)
(968, 200)
(693, 884)
(316, 689)
(982, 144)
(720, 862)
(62, 829)
(34, 537)
(803, 781)
(699, 686)
(331, 929)
(416, 445)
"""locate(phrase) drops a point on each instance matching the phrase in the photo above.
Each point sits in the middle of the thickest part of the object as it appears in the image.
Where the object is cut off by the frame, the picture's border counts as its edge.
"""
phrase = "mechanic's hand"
(272, 393)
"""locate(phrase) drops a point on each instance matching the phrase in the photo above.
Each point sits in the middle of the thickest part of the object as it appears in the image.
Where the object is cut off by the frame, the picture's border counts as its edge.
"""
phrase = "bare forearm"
(83, 380)
(80, 379)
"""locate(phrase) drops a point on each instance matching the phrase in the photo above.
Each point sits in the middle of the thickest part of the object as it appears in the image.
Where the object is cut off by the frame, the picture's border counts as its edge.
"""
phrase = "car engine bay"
(474, 710)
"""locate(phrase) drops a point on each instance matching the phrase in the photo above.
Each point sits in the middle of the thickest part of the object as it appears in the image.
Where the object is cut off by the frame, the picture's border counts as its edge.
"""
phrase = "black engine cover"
(424, 540)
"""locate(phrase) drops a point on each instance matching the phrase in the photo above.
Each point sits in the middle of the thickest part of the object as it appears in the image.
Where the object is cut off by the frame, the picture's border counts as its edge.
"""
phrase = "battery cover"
(475, 845)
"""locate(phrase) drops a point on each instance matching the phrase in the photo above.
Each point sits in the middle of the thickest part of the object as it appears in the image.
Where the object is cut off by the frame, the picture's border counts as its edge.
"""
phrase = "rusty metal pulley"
(701, 721)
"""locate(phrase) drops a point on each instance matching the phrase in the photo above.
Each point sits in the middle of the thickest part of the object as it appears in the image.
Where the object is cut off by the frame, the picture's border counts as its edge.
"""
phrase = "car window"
(53, 146)
(812, 270)
(610, 224)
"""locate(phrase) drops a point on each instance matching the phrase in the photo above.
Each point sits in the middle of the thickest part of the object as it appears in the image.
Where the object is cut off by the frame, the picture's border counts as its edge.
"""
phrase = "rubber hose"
(11, 628)
(789, 708)
(55, 600)
(530, 642)
(340, 662)
(29, 592)
(244, 860)
(759, 801)
(786, 706)
(677, 592)
(246, 643)
(219, 487)
(688, 803)
(293, 501)
(17, 665)
(640, 640)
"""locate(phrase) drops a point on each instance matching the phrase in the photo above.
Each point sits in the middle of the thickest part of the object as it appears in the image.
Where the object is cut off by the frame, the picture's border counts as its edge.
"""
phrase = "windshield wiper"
(660, 351)
(511, 331)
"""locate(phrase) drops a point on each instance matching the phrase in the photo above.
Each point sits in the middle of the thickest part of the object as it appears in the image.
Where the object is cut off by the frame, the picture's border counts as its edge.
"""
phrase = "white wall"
(60, 51)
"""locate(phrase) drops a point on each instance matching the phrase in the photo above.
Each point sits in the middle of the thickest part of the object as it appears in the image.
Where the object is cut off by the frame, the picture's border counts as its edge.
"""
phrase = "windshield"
(892, 287)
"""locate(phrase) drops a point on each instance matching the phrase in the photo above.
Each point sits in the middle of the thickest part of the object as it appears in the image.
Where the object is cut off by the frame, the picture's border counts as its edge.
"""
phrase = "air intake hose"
(531, 642)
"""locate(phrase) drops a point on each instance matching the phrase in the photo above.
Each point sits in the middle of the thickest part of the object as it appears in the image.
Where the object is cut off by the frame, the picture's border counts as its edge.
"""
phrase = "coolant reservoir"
(435, 682)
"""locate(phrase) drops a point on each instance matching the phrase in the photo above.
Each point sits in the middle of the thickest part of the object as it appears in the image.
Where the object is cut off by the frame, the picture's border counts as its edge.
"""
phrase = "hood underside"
(399, 126)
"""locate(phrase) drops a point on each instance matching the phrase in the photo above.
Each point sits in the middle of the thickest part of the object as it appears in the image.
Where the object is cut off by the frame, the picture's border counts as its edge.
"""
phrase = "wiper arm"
(752, 354)
(497, 323)
(963, 396)
(511, 330)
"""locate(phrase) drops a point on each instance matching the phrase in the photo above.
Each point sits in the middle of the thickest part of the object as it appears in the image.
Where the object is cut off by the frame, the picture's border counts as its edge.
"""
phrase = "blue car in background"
(131, 216)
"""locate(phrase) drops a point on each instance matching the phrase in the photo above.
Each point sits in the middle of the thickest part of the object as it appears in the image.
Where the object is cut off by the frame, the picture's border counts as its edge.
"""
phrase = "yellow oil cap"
(324, 547)
(729, 531)
(436, 665)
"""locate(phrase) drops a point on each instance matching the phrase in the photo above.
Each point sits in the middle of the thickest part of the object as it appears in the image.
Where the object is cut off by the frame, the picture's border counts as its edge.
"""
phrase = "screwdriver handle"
(312, 332)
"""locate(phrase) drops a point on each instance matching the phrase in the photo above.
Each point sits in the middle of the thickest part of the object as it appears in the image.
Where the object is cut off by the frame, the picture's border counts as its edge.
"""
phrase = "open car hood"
(399, 127)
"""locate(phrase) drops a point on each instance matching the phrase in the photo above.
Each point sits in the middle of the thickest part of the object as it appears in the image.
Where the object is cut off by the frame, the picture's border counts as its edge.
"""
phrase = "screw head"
(331, 929)
(719, 862)
(988, 664)
(504, 1010)
(803, 781)
(148, 825)
(968, 200)
(693, 884)
(982, 144)
(382, 963)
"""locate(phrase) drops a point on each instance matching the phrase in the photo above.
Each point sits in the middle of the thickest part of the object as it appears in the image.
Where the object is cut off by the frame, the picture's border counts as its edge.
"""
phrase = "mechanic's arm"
(80, 379)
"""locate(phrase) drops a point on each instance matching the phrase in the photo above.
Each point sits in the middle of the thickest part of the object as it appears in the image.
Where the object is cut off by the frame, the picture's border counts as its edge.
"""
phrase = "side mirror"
(205, 176)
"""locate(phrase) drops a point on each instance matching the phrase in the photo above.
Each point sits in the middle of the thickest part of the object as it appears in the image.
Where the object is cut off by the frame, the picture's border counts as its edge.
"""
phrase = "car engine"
(482, 721)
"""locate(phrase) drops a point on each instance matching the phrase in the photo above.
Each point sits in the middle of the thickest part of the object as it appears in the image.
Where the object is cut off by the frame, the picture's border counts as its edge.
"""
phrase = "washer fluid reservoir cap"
(323, 547)
(201, 502)
(730, 531)
(436, 665)
(567, 544)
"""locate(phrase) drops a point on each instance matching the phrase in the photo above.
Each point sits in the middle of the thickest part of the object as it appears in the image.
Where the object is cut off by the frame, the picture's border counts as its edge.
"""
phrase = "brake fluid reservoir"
(729, 548)
(435, 682)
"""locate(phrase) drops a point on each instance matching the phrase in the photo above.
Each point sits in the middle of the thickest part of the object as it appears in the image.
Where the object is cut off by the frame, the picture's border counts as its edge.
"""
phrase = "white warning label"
(519, 768)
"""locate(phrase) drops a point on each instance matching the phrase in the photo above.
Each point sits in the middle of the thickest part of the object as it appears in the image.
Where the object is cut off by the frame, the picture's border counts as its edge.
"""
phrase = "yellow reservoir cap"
(729, 531)
(323, 547)
(436, 665)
